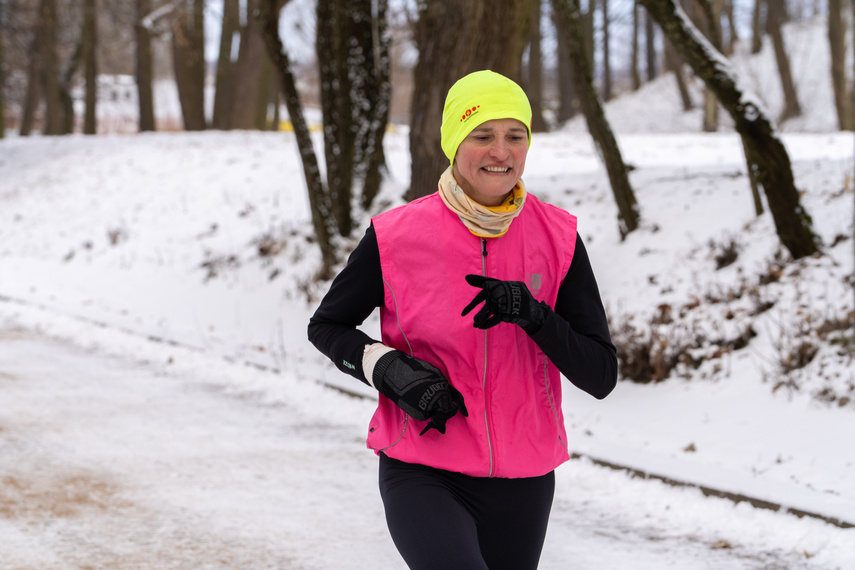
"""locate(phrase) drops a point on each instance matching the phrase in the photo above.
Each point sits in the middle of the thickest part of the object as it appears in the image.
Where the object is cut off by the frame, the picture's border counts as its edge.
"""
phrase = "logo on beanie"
(469, 112)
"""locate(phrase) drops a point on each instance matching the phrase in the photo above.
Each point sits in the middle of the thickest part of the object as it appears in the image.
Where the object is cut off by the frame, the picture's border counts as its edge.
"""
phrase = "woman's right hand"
(418, 388)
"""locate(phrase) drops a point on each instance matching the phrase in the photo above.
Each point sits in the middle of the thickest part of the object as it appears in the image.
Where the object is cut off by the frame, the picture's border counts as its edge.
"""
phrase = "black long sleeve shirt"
(575, 335)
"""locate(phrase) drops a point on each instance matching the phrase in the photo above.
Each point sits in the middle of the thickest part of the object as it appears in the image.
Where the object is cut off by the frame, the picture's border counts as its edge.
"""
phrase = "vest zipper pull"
(484, 247)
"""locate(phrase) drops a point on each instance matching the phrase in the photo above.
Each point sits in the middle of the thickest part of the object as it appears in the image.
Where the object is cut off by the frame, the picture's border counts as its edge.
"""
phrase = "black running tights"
(441, 520)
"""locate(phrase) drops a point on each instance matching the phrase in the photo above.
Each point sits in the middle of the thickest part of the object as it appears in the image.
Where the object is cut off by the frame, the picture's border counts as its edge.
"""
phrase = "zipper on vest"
(487, 403)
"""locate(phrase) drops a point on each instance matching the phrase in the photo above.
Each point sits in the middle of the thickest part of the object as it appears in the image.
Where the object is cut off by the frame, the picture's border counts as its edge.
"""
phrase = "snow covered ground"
(109, 243)
(160, 406)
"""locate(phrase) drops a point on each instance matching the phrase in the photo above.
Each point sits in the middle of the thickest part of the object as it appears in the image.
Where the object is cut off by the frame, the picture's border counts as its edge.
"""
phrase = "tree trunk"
(354, 86)
(650, 47)
(707, 19)
(248, 71)
(448, 50)
(766, 152)
(758, 24)
(50, 70)
(143, 67)
(322, 219)
(568, 103)
(675, 65)
(378, 91)
(571, 27)
(535, 70)
(733, 35)
(837, 45)
(188, 59)
(90, 65)
(67, 102)
(2, 68)
(775, 20)
(607, 64)
(223, 86)
(633, 62)
(262, 104)
(333, 45)
(34, 91)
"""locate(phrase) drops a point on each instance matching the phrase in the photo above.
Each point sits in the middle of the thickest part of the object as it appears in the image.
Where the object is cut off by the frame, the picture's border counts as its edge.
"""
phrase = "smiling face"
(491, 160)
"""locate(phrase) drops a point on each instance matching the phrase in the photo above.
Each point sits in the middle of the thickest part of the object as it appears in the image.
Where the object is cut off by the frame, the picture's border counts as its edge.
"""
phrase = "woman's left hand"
(504, 301)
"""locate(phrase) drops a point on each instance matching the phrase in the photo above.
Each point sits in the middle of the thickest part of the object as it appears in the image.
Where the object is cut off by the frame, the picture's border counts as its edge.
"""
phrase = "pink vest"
(512, 391)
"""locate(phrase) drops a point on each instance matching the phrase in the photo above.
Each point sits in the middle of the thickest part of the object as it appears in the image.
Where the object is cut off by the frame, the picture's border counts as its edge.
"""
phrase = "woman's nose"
(499, 150)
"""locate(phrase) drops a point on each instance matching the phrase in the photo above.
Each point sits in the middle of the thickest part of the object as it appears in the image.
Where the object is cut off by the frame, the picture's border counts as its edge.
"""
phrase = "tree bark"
(322, 218)
(570, 26)
(90, 66)
(765, 151)
(449, 48)
(188, 59)
(675, 65)
(34, 91)
(64, 83)
(248, 71)
(352, 48)
(567, 101)
(143, 67)
(837, 45)
(758, 24)
(776, 16)
(50, 70)
(607, 60)
(535, 70)
(333, 45)
(223, 85)
(733, 35)
(378, 91)
(650, 47)
(633, 62)
(2, 71)
(707, 20)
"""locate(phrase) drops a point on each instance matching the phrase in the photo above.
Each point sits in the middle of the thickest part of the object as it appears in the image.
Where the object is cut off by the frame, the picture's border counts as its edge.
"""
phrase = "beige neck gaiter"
(483, 221)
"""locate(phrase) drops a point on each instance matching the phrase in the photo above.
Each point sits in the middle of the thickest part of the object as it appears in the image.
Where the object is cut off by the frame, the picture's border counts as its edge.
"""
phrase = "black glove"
(418, 388)
(505, 301)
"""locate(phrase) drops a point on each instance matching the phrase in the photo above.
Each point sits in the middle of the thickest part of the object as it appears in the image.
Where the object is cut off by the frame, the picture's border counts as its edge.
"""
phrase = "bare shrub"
(725, 253)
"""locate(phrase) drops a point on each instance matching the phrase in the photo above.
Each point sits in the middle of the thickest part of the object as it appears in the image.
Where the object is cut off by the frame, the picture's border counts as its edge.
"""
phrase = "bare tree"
(708, 20)
(775, 20)
(567, 101)
(837, 45)
(764, 150)
(143, 66)
(733, 33)
(607, 60)
(319, 200)
(674, 64)
(50, 69)
(455, 38)
(33, 92)
(570, 26)
(188, 57)
(3, 34)
(353, 56)
(89, 42)
(633, 61)
(223, 83)
(650, 47)
(534, 85)
(248, 71)
(758, 24)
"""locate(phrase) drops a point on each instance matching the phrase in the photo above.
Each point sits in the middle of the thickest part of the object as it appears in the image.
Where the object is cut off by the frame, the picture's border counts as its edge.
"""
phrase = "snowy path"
(119, 462)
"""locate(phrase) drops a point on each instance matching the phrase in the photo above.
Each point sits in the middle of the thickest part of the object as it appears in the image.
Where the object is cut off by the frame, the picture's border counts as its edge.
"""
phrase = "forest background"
(360, 67)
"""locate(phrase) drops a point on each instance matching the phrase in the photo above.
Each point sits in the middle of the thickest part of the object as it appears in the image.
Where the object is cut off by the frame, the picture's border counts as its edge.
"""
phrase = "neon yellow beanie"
(477, 98)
